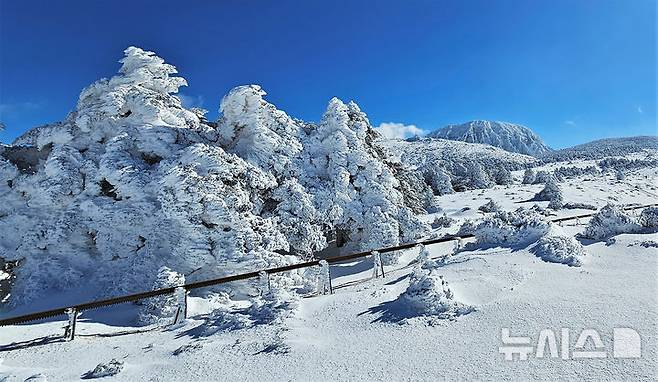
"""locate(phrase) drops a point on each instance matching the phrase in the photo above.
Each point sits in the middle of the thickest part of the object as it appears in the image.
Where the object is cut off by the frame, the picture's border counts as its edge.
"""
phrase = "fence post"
(69, 330)
(181, 299)
(325, 277)
(264, 282)
(377, 264)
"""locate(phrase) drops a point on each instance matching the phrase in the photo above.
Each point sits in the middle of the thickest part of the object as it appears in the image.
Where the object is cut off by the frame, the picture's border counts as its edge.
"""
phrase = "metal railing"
(72, 311)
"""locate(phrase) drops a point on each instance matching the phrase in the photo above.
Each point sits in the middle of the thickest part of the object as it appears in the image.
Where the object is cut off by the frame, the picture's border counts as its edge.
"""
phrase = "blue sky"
(573, 70)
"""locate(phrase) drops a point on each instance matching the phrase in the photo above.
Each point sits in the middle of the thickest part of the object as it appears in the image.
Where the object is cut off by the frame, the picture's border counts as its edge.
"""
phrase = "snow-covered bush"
(503, 177)
(438, 179)
(610, 221)
(442, 221)
(428, 294)
(163, 308)
(573, 171)
(529, 176)
(543, 177)
(649, 217)
(577, 205)
(519, 227)
(490, 206)
(551, 193)
(467, 228)
(620, 175)
(560, 249)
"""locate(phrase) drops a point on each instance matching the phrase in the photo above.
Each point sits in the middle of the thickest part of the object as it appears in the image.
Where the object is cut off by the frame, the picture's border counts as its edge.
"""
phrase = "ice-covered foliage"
(623, 165)
(428, 294)
(551, 193)
(442, 221)
(460, 163)
(560, 249)
(574, 171)
(131, 181)
(649, 217)
(578, 205)
(523, 226)
(529, 176)
(162, 309)
(503, 177)
(490, 206)
(355, 189)
(438, 179)
(610, 221)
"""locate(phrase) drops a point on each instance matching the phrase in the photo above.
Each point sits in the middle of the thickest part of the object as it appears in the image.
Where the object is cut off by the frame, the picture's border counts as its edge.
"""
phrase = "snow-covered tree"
(503, 177)
(610, 221)
(438, 179)
(649, 217)
(354, 189)
(550, 193)
(476, 176)
(529, 176)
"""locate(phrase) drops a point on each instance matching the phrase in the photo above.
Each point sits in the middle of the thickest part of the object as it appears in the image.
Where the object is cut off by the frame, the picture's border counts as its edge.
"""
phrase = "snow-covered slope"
(467, 165)
(605, 148)
(507, 136)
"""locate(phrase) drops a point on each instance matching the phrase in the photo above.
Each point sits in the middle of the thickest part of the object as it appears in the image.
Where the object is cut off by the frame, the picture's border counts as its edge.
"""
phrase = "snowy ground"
(359, 333)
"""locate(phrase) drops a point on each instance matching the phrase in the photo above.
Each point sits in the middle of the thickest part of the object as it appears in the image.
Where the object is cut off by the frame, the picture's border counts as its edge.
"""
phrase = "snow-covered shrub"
(610, 221)
(519, 227)
(542, 177)
(428, 294)
(476, 177)
(620, 174)
(442, 221)
(576, 205)
(503, 177)
(649, 217)
(163, 308)
(560, 249)
(571, 172)
(551, 193)
(423, 259)
(490, 206)
(529, 177)
(467, 228)
(438, 179)
(273, 306)
(101, 370)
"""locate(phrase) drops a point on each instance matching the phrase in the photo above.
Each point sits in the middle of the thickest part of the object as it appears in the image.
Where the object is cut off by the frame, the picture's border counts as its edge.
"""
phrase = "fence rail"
(244, 276)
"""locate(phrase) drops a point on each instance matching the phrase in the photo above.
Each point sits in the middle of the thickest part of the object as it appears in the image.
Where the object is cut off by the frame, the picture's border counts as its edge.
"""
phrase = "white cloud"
(189, 101)
(399, 130)
(570, 122)
(639, 109)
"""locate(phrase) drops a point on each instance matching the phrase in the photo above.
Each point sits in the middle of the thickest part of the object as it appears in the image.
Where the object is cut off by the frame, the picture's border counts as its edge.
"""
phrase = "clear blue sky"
(572, 70)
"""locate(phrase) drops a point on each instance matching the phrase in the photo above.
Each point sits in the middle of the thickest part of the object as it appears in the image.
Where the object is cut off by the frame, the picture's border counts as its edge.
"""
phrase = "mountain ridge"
(505, 135)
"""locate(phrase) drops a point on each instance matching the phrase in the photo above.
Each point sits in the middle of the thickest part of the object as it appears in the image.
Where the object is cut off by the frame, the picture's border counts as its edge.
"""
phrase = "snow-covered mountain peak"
(508, 136)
